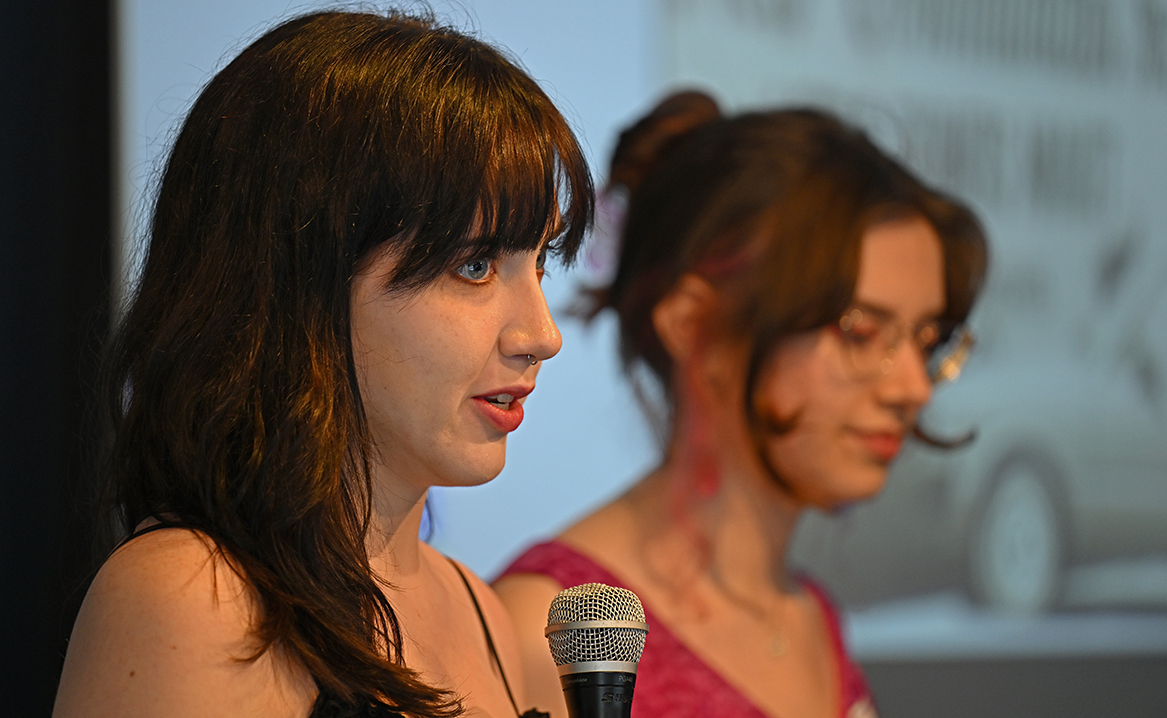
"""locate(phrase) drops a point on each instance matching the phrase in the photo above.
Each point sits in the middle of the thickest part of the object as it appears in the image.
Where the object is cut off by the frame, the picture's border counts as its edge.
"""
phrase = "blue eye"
(541, 260)
(475, 270)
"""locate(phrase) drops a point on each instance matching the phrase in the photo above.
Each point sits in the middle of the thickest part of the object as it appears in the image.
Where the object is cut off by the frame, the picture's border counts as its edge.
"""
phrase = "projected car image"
(1067, 471)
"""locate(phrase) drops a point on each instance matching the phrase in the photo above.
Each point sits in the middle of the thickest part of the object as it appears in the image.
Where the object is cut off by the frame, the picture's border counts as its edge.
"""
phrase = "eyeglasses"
(870, 339)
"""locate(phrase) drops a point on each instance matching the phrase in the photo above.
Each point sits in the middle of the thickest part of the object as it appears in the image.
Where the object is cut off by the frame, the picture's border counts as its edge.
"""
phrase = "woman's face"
(850, 423)
(443, 372)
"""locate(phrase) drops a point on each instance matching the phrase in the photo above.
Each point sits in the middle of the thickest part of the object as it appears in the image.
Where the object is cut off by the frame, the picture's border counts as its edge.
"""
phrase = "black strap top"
(329, 705)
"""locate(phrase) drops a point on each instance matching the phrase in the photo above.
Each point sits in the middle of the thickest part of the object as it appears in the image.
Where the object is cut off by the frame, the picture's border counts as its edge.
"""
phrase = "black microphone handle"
(598, 694)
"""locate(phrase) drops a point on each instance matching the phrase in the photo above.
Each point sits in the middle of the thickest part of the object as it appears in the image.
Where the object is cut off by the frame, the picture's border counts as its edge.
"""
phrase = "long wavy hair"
(771, 208)
(232, 397)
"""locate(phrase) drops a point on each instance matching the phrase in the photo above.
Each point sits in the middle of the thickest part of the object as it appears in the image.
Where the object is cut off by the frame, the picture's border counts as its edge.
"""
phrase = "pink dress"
(672, 681)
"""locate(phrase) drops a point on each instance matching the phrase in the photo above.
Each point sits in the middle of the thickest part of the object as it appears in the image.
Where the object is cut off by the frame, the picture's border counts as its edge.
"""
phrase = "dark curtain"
(55, 222)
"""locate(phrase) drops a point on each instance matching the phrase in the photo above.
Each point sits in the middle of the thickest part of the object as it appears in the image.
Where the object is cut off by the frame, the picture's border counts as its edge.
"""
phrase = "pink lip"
(505, 420)
(884, 446)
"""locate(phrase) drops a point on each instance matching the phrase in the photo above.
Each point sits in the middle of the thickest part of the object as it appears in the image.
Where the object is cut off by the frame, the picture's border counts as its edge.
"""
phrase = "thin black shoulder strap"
(153, 527)
(486, 631)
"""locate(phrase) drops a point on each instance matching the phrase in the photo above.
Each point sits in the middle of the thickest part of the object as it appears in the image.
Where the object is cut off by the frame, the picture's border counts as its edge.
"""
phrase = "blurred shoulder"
(527, 596)
(167, 627)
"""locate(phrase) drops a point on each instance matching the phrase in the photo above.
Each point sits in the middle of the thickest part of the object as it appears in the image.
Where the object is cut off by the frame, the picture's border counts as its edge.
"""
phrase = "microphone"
(596, 634)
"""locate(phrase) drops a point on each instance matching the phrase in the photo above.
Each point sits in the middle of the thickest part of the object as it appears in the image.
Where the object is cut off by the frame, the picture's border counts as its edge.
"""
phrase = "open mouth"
(502, 401)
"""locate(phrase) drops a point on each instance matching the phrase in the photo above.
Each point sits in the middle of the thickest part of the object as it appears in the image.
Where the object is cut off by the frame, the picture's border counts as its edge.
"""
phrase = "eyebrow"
(477, 241)
(888, 315)
(477, 245)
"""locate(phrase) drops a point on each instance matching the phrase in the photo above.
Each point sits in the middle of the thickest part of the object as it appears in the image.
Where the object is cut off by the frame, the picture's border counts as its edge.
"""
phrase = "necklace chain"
(773, 619)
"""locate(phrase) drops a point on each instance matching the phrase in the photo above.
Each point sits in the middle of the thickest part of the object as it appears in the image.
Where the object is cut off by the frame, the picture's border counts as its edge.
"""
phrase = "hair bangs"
(509, 175)
(535, 192)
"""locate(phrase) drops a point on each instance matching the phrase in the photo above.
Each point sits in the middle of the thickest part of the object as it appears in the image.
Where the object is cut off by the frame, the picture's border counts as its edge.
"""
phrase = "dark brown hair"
(770, 208)
(234, 403)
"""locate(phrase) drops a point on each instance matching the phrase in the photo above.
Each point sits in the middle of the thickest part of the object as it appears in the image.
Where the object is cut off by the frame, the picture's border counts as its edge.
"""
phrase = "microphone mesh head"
(595, 602)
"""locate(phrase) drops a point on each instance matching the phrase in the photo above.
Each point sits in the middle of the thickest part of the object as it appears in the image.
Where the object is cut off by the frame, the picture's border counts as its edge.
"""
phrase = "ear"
(681, 317)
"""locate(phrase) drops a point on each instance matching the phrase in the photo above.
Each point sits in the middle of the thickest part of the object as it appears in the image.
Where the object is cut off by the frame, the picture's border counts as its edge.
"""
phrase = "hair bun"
(642, 145)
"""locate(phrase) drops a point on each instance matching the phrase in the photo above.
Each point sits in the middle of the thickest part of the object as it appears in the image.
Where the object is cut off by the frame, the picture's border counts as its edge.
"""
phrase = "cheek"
(823, 469)
(401, 346)
(789, 399)
(816, 457)
(801, 382)
(395, 369)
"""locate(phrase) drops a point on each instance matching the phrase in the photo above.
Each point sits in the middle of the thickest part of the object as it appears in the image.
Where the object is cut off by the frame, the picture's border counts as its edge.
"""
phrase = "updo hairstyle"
(769, 207)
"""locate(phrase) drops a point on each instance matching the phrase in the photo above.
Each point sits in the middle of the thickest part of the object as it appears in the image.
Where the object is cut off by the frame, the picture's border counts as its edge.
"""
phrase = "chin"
(850, 486)
(865, 484)
(478, 468)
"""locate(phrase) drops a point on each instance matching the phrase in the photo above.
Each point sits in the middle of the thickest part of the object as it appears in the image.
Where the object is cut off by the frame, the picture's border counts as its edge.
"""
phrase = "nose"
(907, 385)
(532, 331)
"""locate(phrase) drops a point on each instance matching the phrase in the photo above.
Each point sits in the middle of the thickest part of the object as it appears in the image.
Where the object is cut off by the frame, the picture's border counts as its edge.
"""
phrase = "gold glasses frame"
(871, 338)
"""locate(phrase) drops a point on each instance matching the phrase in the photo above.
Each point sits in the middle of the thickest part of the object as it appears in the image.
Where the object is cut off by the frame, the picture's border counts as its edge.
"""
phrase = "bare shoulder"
(526, 597)
(502, 630)
(606, 531)
(488, 601)
(165, 628)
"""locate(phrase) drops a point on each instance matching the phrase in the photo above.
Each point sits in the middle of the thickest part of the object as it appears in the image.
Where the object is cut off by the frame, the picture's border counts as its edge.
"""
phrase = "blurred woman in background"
(797, 294)
(341, 307)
